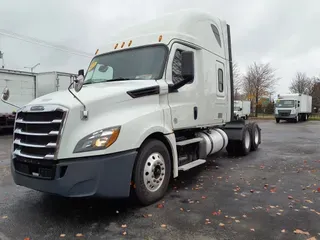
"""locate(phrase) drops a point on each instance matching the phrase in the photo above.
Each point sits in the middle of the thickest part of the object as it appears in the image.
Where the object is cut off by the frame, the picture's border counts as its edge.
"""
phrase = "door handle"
(195, 113)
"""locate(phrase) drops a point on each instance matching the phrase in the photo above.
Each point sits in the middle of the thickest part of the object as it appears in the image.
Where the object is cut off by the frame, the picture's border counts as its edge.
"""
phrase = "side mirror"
(187, 70)
(5, 94)
(240, 109)
(187, 66)
(81, 72)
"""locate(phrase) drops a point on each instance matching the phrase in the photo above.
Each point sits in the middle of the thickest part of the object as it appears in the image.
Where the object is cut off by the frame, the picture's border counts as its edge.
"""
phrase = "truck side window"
(220, 80)
(176, 67)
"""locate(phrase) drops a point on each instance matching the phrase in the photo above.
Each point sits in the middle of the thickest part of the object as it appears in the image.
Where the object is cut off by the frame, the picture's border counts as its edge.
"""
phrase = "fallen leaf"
(181, 209)
(308, 201)
(233, 217)
(280, 210)
(163, 225)
(237, 221)
(290, 197)
(318, 189)
(62, 235)
(221, 224)
(266, 185)
(26, 238)
(273, 190)
(160, 205)
(4, 217)
(272, 206)
(298, 231)
(305, 207)
(278, 213)
(251, 190)
(124, 233)
(123, 225)
(252, 229)
(283, 230)
(203, 197)
(244, 216)
(312, 238)
(79, 235)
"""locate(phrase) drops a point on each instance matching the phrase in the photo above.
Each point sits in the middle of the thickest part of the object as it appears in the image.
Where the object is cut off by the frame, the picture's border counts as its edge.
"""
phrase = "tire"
(247, 117)
(296, 119)
(242, 147)
(277, 120)
(152, 172)
(255, 135)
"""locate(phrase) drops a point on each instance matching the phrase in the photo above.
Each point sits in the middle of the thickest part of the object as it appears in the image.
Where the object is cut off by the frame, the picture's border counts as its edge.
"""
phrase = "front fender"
(138, 119)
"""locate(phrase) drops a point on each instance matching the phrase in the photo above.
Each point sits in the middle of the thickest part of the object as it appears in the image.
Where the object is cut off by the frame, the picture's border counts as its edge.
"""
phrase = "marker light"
(129, 44)
(122, 44)
(115, 46)
(160, 38)
(97, 51)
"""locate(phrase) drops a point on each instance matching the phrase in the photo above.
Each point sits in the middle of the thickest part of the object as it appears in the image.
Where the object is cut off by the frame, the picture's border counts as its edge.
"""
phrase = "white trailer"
(295, 107)
(131, 125)
(22, 91)
(26, 86)
(242, 109)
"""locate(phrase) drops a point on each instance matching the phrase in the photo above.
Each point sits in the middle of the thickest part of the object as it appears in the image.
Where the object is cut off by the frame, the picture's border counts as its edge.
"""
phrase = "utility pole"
(31, 68)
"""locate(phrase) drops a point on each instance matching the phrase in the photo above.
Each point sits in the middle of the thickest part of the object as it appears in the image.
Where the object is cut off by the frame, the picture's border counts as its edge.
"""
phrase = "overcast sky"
(283, 32)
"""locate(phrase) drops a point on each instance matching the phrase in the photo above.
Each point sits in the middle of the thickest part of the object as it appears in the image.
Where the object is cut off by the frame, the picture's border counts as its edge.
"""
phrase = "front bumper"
(103, 176)
(291, 116)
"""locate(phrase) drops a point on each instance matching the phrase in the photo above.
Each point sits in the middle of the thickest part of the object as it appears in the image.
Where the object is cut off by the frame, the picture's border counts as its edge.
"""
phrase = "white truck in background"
(130, 125)
(242, 109)
(293, 107)
(26, 86)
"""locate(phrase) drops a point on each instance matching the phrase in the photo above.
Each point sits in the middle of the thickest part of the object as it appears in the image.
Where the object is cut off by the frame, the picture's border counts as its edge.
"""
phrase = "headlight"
(98, 140)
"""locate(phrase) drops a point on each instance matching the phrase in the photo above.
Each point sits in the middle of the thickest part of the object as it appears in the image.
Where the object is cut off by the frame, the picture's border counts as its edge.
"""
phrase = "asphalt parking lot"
(273, 193)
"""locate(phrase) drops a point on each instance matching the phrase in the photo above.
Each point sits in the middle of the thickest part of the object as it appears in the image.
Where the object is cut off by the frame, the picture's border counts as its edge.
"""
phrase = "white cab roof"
(193, 26)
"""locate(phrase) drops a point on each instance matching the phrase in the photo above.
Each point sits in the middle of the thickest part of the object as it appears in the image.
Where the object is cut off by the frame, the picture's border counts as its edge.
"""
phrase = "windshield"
(285, 103)
(236, 108)
(137, 63)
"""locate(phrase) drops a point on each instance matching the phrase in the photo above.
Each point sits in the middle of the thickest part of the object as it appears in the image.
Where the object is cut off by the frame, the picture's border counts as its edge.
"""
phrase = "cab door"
(221, 106)
(185, 102)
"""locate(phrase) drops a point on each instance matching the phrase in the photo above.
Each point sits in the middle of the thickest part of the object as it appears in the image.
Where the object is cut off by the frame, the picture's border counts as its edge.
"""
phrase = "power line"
(43, 43)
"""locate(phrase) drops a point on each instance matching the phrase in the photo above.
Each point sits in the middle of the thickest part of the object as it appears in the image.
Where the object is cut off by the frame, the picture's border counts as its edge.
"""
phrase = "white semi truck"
(157, 101)
(242, 109)
(295, 107)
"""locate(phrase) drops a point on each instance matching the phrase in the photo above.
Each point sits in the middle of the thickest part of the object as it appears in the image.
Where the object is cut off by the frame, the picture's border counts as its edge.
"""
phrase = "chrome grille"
(284, 113)
(36, 141)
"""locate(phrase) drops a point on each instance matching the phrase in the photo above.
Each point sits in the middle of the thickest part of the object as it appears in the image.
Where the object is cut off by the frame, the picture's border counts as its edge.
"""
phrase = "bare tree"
(315, 93)
(236, 80)
(301, 83)
(259, 81)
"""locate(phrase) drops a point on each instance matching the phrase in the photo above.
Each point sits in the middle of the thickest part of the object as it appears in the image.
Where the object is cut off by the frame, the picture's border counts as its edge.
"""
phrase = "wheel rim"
(297, 118)
(154, 172)
(256, 136)
(247, 139)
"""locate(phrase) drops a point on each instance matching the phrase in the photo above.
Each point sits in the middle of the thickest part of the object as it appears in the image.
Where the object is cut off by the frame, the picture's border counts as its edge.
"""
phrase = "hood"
(113, 91)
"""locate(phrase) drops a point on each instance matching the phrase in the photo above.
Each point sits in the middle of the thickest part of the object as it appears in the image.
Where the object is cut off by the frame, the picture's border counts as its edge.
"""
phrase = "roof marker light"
(115, 46)
(97, 51)
(129, 44)
(122, 45)
(160, 38)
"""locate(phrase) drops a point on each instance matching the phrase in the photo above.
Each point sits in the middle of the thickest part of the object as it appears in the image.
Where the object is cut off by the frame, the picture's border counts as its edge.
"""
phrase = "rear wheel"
(277, 120)
(152, 172)
(255, 134)
(240, 147)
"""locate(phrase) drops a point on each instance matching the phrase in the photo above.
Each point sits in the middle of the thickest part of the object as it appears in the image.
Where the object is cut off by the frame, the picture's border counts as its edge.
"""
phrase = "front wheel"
(296, 119)
(152, 172)
(277, 120)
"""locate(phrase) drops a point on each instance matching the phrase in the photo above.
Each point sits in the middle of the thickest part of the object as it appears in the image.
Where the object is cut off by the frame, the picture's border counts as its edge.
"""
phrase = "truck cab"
(242, 109)
(155, 101)
(293, 107)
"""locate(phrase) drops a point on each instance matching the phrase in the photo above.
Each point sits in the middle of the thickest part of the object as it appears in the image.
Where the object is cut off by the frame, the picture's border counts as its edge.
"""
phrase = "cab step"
(188, 141)
(192, 164)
